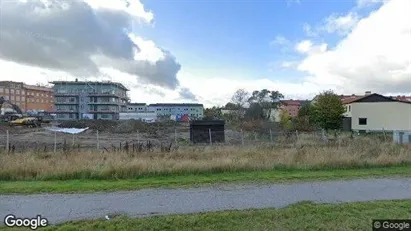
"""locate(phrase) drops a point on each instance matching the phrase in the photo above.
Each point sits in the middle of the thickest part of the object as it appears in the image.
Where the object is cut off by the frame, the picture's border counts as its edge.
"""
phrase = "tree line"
(324, 112)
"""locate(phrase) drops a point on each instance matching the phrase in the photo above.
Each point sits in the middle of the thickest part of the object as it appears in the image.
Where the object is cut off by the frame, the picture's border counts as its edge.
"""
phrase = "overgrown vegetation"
(307, 153)
(300, 216)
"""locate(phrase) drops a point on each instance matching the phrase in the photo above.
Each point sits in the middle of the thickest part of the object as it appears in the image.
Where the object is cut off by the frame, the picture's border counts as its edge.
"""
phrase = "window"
(349, 107)
(12, 91)
(17, 98)
(22, 92)
(104, 116)
(18, 92)
(362, 121)
(7, 90)
(1, 90)
(71, 116)
(72, 99)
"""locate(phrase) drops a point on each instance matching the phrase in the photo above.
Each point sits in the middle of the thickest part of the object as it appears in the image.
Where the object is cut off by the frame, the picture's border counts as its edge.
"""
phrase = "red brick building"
(27, 97)
(292, 106)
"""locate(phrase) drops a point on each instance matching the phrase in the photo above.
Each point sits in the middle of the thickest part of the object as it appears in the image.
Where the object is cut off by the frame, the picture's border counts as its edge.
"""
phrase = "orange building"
(292, 106)
(39, 98)
(27, 97)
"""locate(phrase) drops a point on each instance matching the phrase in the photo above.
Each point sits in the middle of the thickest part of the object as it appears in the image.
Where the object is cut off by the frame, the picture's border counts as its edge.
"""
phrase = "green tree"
(285, 120)
(267, 101)
(212, 112)
(327, 111)
(254, 112)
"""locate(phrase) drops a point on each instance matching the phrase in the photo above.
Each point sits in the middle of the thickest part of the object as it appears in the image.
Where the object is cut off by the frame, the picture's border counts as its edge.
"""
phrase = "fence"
(43, 140)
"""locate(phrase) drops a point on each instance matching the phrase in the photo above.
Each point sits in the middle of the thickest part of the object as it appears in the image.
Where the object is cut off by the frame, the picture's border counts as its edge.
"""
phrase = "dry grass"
(97, 165)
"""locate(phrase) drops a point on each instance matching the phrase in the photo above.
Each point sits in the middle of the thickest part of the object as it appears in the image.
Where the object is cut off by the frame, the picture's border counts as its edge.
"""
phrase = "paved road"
(63, 207)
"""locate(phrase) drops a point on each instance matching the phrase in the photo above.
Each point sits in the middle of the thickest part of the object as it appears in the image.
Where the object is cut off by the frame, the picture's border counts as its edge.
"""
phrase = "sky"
(202, 51)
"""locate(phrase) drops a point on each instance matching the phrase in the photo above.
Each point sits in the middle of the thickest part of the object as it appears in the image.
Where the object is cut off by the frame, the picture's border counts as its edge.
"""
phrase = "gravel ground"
(64, 207)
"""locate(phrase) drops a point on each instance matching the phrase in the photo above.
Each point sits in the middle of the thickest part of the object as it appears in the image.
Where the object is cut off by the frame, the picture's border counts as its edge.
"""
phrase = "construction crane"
(17, 118)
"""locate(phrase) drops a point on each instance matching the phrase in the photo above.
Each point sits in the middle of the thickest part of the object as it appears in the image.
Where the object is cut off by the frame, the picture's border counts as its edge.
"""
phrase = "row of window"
(75, 116)
(22, 92)
(169, 109)
(22, 99)
(12, 91)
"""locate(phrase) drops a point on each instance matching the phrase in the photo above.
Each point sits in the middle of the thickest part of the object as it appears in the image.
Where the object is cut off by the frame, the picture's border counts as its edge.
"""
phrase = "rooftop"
(92, 83)
(176, 104)
(38, 88)
(137, 104)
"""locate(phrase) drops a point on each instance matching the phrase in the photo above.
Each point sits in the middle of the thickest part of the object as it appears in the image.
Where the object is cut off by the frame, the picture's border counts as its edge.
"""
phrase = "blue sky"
(235, 36)
(299, 48)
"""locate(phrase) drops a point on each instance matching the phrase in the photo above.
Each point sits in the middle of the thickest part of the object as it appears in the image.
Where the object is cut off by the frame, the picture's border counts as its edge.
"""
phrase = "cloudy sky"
(203, 50)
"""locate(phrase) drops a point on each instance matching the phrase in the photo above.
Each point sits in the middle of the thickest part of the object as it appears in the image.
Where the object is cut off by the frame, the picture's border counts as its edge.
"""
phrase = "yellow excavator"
(18, 118)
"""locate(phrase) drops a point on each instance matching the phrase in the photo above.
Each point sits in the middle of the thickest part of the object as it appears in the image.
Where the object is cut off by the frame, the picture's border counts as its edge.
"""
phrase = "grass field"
(301, 216)
(193, 165)
(192, 180)
(199, 160)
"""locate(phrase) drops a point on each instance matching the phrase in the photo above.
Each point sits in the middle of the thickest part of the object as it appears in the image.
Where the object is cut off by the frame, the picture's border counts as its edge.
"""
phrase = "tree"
(213, 112)
(267, 100)
(327, 111)
(231, 106)
(254, 112)
(239, 99)
(285, 120)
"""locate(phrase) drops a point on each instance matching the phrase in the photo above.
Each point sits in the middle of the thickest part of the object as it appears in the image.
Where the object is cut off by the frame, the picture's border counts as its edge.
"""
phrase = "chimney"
(368, 93)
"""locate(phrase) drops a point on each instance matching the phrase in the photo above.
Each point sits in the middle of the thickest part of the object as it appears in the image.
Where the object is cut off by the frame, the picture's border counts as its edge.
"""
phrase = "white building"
(375, 112)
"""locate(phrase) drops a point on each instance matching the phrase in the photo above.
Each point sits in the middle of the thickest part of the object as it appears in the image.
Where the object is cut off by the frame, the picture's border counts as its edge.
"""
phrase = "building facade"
(378, 113)
(39, 98)
(89, 100)
(193, 111)
(136, 107)
(27, 97)
(292, 107)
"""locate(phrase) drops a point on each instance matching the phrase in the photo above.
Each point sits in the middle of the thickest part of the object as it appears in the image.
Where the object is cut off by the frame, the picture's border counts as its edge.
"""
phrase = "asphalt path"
(142, 203)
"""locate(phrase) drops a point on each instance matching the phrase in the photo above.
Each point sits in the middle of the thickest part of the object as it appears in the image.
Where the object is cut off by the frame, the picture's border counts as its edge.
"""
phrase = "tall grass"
(120, 165)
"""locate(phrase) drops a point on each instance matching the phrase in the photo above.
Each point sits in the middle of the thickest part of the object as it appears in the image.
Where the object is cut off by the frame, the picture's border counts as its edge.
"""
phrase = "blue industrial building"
(179, 110)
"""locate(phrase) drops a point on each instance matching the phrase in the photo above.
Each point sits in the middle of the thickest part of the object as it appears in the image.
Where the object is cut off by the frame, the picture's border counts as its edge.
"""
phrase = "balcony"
(103, 111)
(66, 103)
(104, 103)
(65, 94)
(65, 111)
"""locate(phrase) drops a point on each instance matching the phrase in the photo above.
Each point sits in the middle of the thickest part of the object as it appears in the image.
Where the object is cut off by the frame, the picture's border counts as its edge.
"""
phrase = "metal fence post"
(55, 141)
(98, 141)
(175, 135)
(242, 137)
(7, 140)
(209, 134)
(271, 135)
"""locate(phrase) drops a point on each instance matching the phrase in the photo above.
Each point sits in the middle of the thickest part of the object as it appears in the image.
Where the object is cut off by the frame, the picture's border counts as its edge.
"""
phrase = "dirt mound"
(126, 126)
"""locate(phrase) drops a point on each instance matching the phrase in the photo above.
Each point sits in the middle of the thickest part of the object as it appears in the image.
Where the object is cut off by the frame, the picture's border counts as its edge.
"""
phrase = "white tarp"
(67, 130)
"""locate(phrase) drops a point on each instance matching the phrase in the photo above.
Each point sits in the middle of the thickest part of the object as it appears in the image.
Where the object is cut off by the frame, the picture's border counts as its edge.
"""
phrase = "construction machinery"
(17, 117)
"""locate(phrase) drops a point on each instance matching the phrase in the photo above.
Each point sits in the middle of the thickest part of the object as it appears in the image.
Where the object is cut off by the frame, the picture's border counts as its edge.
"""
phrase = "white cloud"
(366, 3)
(82, 38)
(307, 47)
(374, 56)
(341, 24)
(133, 7)
(279, 40)
(308, 30)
